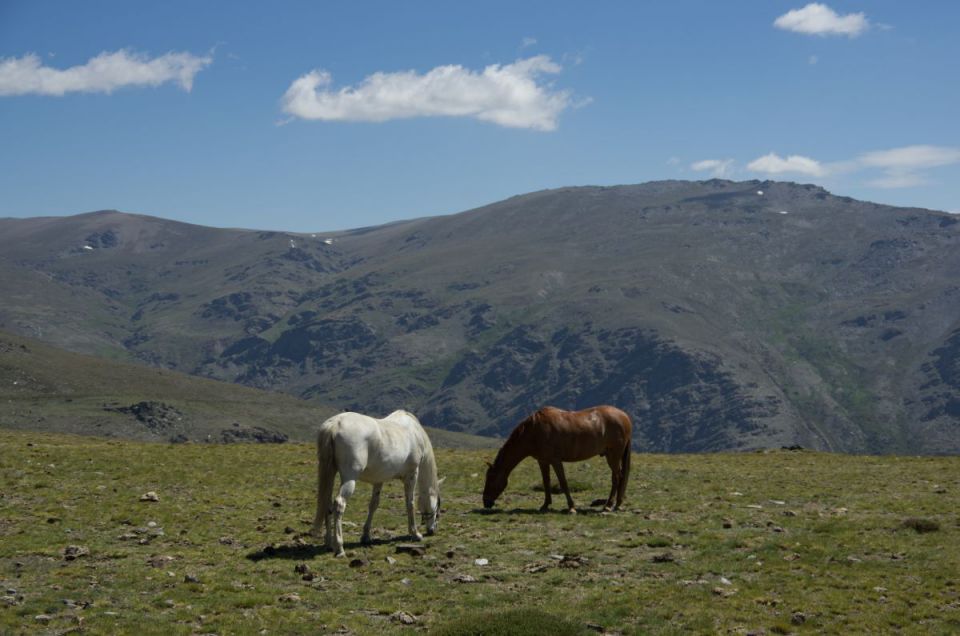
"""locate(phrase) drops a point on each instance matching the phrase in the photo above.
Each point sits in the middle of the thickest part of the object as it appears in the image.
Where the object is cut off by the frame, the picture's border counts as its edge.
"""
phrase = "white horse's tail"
(326, 473)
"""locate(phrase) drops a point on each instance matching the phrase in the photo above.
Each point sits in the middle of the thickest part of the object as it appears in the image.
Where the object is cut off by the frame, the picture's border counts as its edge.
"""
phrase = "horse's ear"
(489, 465)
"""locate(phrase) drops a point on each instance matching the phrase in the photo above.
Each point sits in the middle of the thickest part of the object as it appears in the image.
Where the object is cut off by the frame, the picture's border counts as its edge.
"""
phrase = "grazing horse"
(366, 449)
(552, 436)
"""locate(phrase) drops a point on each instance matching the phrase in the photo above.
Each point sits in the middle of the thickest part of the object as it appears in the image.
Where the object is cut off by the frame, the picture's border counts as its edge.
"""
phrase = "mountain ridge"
(721, 315)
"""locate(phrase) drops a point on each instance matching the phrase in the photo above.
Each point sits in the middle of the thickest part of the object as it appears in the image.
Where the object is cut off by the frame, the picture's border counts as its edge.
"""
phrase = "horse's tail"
(326, 473)
(624, 470)
(625, 460)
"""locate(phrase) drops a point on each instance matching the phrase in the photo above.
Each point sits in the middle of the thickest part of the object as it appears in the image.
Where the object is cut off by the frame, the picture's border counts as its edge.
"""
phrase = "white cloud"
(912, 157)
(716, 167)
(507, 95)
(102, 74)
(819, 19)
(901, 166)
(527, 41)
(775, 164)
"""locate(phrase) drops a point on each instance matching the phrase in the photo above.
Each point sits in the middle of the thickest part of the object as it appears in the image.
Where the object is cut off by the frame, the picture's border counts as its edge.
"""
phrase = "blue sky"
(322, 116)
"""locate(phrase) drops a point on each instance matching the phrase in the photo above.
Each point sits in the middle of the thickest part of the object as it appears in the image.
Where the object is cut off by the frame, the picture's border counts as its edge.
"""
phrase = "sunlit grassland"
(779, 541)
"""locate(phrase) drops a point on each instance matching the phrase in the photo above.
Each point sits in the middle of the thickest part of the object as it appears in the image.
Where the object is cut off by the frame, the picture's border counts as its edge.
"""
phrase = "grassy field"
(777, 542)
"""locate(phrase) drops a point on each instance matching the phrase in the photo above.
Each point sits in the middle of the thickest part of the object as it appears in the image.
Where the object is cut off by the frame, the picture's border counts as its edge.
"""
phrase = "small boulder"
(403, 618)
(150, 496)
(72, 552)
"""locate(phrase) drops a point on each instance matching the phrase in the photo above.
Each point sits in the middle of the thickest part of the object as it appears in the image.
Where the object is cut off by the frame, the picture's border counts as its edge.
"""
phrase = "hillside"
(46, 389)
(720, 315)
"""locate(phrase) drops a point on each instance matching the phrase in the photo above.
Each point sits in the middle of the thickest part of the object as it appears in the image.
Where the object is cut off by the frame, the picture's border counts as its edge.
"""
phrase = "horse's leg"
(613, 461)
(562, 478)
(374, 502)
(409, 488)
(346, 491)
(545, 473)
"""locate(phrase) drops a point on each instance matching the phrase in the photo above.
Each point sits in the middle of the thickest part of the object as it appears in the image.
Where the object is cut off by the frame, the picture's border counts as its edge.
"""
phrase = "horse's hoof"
(544, 508)
(572, 511)
(366, 540)
(417, 536)
(607, 509)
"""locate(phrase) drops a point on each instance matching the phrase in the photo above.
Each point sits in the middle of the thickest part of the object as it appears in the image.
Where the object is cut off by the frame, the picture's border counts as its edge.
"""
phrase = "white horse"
(366, 449)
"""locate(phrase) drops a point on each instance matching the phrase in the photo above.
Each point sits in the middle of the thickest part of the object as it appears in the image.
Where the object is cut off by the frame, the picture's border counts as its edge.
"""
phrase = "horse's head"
(495, 484)
(430, 506)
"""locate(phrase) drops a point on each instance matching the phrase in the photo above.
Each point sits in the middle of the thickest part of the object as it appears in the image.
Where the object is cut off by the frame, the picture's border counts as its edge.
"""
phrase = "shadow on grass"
(581, 510)
(511, 622)
(306, 551)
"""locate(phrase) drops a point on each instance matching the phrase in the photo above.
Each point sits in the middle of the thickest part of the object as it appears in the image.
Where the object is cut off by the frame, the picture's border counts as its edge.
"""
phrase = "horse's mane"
(516, 434)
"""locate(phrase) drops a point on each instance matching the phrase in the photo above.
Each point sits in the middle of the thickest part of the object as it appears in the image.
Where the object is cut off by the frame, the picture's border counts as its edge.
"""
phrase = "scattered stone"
(573, 561)
(72, 552)
(777, 502)
(481, 562)
(301, 568)
(723, 592)
(288, 530)
(405, 581)
(789, 513)
(160, 561)
(43, 619)
(791, 557)
(226, 541)
(725, 580)
(664, 557)
(390, 560)
(411, 549)
(190, 578)
(536, 568)
(403, 618)
(359, 563)
(464, 578)
(150, 496)
(292, 597)
(597, 627)
(798, 618)
(451, 554)
(727, 524)
(9, 600)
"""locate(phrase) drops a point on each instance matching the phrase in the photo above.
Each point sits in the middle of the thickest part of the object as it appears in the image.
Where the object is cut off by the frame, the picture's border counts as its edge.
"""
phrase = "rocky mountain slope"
(720, 315)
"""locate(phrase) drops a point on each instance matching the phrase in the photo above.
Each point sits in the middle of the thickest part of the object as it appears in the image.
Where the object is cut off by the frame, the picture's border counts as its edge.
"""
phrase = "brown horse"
(552, 436)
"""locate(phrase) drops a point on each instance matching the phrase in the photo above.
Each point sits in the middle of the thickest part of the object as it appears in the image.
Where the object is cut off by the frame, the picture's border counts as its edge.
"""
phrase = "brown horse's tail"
(624, 472)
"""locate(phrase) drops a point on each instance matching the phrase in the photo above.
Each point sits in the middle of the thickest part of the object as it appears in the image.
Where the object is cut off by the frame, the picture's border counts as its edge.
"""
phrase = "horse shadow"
(581, 510)
(307, 551)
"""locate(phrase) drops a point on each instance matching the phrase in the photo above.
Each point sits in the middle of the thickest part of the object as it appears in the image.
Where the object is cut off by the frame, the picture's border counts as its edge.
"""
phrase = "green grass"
(785, 542)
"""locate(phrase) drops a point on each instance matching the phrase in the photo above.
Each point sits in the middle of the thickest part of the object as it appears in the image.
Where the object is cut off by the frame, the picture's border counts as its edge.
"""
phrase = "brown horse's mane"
(515, 435)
